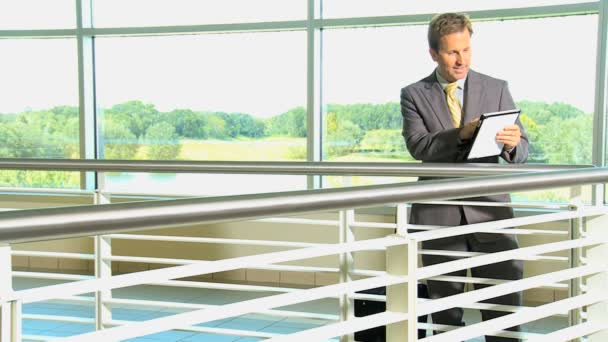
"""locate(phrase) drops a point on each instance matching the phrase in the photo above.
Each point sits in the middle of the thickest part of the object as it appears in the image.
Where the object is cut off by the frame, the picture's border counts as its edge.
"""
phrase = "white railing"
(403, 306)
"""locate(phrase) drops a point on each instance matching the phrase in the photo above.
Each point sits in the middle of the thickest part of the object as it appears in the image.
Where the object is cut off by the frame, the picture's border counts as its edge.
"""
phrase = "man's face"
(454, 55)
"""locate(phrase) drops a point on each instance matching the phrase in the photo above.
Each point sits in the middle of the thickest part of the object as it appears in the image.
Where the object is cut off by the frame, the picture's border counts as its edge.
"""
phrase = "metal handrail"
(68, 222)
(401, 169)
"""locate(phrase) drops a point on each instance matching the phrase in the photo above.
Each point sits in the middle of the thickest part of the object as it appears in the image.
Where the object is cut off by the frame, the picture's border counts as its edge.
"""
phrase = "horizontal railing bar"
(205, 267)
(513, 254)
(61, 255)
(55, 318)
(465, 254)
(292, 268)
(521, 335)
(280, 168)
(77, 299)
(213, 240)
(54, 276)
(488, 281)
(496, 230)
(516, 205)
(189, 306)
(295, 268)
(347, 327)
(524, 316)
(55, 223)
(570, 333)
(240, 287)
(298, 221)
(504, 308)
(502, 289)
(498, 226)
(380, 225)
(218, 331)
(153, 260)
(236, 309)
(224, 286)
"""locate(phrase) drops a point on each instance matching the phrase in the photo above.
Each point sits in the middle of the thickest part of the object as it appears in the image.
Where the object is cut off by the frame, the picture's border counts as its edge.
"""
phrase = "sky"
(264, 73)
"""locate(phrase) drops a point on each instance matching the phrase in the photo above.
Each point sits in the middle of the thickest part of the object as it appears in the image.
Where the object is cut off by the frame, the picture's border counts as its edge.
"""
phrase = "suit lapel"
(436, 98)
(473, 96)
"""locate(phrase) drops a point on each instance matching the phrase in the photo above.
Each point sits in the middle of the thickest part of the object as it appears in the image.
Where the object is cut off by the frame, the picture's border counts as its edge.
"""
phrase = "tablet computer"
(484, 138)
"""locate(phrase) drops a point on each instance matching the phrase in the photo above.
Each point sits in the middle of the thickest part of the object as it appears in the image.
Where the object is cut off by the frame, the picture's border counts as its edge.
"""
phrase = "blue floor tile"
(167, 336)
(204, 337)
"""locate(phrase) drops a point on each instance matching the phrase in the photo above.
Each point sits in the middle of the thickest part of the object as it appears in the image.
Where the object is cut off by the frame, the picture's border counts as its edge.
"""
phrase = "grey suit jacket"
(431, 137)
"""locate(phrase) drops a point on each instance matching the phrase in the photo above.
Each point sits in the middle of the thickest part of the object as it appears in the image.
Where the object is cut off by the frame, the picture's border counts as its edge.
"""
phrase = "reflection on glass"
(132, 13)
(362, 120)
(39, 108)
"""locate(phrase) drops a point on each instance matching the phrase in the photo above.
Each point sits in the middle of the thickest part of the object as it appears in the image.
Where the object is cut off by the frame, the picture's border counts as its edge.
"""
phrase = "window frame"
(85, 32)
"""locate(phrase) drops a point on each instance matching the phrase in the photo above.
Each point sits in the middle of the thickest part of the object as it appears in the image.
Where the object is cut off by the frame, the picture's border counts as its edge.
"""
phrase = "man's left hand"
(509, 136)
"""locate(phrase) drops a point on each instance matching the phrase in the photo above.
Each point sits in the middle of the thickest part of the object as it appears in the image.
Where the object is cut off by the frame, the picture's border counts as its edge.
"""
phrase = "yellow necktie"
(453, 103)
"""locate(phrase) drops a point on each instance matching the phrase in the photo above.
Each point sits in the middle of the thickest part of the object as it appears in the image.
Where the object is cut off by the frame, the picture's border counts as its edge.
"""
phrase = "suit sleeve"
(439, 146)
(520, 153)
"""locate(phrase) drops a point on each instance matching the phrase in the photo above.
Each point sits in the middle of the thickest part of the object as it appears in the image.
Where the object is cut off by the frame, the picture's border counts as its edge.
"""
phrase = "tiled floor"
(36, 330)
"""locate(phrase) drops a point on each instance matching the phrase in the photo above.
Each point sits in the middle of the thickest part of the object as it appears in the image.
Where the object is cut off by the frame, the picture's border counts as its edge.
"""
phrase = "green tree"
(342, 136)
(135, 115)
(119, 142)
(162, 142)
(216, 127)
(291, 123)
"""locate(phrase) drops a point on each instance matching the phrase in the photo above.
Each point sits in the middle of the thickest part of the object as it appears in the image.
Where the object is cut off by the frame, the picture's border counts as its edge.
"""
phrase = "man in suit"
(440, 113)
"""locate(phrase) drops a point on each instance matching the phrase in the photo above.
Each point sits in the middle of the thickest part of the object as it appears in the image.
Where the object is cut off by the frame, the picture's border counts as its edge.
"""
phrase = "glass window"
(365, 8)
(39, 108)
(550, 70)
(204, 97)
(551, 75)
(364, 70)
(120, 13)
(37, 14)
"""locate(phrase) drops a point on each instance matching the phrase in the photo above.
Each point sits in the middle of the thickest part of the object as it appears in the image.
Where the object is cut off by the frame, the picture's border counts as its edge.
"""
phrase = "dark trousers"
(510, 270)
(367, 307)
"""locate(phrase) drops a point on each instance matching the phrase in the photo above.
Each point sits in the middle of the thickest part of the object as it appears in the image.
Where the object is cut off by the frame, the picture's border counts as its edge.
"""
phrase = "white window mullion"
(313, 90)
(86, 88)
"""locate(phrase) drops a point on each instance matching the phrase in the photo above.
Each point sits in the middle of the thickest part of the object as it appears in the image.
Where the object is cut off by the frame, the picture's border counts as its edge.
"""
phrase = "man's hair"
(445, 24)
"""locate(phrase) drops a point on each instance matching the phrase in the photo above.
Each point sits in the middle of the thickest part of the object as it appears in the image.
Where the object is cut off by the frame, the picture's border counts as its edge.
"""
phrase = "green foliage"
(118, 141)
(383, 140)
(292, 123)
(32, 135)
(162, 142)
(40, 179)
(558, 132)
(369, 116)
(135, 115)
(342, 136)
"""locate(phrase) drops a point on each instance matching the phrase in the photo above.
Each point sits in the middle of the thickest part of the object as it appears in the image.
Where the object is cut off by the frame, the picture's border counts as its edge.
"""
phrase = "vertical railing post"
(402, 260)
(595, 227)
(576, 256)
(103, 269)
(16, 313)
(347, 217)
(8, 319)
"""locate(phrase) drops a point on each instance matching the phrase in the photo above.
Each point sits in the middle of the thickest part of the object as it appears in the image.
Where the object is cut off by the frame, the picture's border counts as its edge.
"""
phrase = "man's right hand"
(466, 132)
